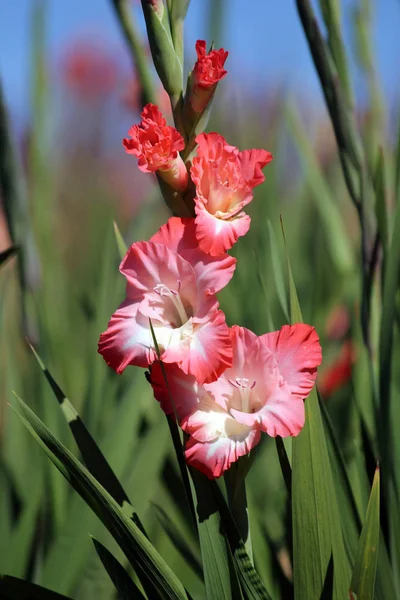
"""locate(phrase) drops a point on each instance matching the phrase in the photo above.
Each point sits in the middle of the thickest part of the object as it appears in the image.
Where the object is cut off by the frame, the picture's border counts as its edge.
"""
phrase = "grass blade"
(12, 588)
(317, 533)
(125, 585)
(122, 247)
(143, 556)
(220, 581)
(252, 586)
(364, 572)
(91, 453)
(179, 541)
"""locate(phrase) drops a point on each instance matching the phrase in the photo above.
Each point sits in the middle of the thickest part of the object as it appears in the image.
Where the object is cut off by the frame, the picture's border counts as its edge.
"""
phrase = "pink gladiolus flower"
(157, 147)
(207, 71)
(224, 179)
(263, 391)
(173, 284)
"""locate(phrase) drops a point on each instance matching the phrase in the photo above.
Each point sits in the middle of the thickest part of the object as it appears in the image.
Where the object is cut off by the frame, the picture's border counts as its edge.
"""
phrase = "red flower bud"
(157, 147)
(208, 70)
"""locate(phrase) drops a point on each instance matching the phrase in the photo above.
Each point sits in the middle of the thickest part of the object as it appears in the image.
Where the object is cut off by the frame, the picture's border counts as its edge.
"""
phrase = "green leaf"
(122, 247)
(277, 271)
(220, 581)
(125, 585)
(380, 185)
(365, 566)
(284, 463)
(180, 543)
(148, 564)
(390, 287)
(16, 560)
(317, 533)
(12, 588)
(329, 213)
(91, 453)
(252, 586)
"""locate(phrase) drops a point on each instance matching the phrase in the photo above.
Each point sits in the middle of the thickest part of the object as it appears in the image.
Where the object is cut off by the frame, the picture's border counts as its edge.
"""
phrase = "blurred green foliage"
(59, 203)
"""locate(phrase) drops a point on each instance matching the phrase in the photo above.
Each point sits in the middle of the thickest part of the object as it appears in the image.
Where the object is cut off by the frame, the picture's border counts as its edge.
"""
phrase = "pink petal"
(298, 353)
(177, 234)
(252, 161)
(283, 418)
(212, 145)
(282, 414)
(147, 264)
(213, 273)
(216, 236)
(183, 389)
(126, 341)
(207, 353)
(215, 457)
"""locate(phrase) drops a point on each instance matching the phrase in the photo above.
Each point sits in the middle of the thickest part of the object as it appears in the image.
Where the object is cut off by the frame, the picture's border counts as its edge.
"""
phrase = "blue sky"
(264, 38)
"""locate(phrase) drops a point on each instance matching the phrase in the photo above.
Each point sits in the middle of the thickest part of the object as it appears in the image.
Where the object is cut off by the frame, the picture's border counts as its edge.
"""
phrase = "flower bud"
(157, 147)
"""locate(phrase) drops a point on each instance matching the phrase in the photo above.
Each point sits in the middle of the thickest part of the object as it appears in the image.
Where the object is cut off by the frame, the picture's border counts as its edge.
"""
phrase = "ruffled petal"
(283, 418)
(147, 265)
(282, 414)
(298, 353)
(127, 340)
(177, 234)
(224, 440)
(213, 273)
(207, 352)
(215, 236)
(252, 161)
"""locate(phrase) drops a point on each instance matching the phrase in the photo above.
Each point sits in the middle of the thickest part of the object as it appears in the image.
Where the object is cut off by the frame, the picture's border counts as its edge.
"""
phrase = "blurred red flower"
(339, 372)
(88, 70)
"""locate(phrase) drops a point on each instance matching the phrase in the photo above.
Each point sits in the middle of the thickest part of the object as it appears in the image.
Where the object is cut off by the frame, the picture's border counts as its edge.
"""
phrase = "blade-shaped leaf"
(143, 556)
(91, 453)
(317, 533)
(179, 541)
(365, 566)
(12, 588)
(125, 585)
(122, 247)
(220, 581)
(252, 586)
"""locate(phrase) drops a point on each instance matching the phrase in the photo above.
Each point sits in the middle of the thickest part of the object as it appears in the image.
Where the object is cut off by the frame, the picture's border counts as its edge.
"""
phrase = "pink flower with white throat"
(173, 284)
(224, 178)
(263, 391)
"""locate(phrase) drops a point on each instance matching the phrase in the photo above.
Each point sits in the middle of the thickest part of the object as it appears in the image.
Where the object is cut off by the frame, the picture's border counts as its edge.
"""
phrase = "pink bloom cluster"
(224, 385)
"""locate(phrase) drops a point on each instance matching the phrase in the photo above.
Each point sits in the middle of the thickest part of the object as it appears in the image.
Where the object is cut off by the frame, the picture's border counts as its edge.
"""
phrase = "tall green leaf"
(91, 453)
(139, 551)
(125, 585)
(365, 566)
(12, 588)
(317, 533)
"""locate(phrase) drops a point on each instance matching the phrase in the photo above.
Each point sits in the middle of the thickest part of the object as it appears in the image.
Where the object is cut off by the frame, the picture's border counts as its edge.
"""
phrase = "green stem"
(136, 50)
(237, 501)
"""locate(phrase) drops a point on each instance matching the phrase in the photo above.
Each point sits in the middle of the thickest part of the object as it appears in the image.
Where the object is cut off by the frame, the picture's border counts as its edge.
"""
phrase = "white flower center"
(162, 290)
(244, 387)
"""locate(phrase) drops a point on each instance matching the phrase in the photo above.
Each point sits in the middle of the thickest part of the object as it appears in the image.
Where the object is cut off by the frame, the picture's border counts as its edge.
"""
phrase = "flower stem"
(237, 501)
